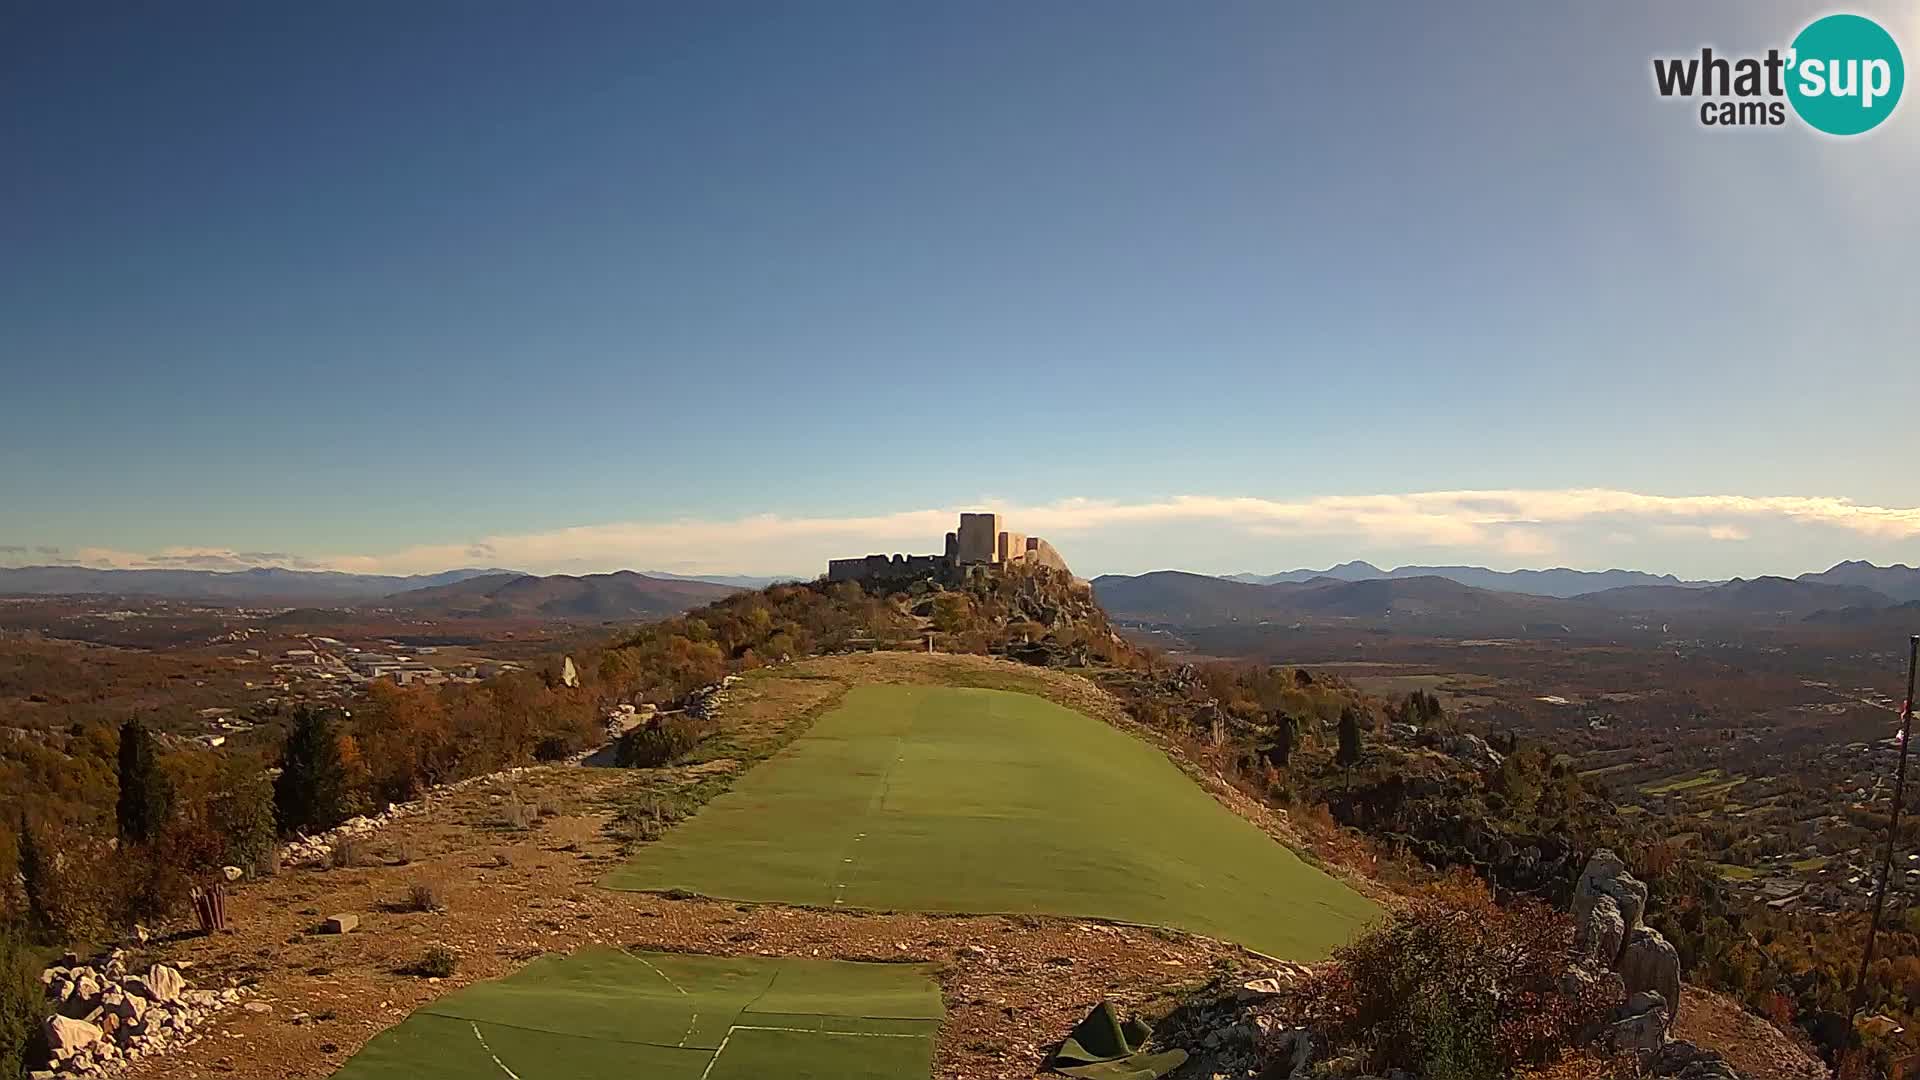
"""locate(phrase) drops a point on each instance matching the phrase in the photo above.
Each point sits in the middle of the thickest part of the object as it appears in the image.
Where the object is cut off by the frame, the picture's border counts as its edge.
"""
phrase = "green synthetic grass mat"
(786, 1055)
(602, 1014)
(917, 798)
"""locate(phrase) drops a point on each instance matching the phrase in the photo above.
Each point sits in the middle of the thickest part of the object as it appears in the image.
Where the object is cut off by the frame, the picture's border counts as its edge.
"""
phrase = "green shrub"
(426, 896)
(647, 818)
(663, 741)
(516, 815)
(241, 811)
(557, 747)
(347, 853)
(21, 1004)
(440, 962)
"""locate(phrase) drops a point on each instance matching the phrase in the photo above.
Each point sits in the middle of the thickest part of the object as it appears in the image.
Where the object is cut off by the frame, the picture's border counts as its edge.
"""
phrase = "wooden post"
(1893, 833)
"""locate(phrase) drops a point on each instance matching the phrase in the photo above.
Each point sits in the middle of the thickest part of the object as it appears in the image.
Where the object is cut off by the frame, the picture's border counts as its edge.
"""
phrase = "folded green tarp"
(1103, 1048)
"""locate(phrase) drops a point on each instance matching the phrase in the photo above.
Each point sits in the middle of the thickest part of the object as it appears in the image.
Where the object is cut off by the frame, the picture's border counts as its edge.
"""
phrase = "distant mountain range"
(622, 595)
(738, 581)
(1180, 599)
(264, 585)
(1557, 582)
(1899, 581)
(1440, 598)
(277, 585)
(1453, 598)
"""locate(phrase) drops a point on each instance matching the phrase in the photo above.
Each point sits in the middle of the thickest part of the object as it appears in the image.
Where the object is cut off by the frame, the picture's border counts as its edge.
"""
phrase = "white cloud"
(1518, 523)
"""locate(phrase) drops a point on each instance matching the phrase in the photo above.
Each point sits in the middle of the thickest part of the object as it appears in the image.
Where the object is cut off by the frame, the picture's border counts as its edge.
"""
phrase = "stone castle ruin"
(979, 544)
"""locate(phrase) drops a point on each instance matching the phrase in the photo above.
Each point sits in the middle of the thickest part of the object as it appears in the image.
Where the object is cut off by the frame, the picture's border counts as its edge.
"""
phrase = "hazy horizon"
(1101, 538)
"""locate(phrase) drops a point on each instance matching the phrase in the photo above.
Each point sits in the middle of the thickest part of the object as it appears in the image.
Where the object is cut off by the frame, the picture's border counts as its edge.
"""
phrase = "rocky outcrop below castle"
(1613, 946)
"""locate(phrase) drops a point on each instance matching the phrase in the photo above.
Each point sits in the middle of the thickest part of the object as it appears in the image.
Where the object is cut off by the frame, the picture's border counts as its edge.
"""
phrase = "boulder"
(1603, 933)
(1640, 1027)
(1606, 875)
(163, 984)
(86, 987)
(67, 1036)
(1259, 990)
(130, 1008)
(1685, 1061)
(340, 924)
(1649, 962)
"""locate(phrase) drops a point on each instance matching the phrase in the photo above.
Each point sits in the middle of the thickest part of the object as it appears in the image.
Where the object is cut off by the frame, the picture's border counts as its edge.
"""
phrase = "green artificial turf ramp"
(925, 798)
(601, 1014)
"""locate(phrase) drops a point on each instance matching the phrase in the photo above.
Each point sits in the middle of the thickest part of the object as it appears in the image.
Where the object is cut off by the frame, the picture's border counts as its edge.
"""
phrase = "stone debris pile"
(306, 850)
(703, 703)
(312, 850)
(105, 1017)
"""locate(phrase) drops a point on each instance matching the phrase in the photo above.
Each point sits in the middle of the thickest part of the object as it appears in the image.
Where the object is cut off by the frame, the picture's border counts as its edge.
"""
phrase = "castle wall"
(1012, 547)
(1043, 554)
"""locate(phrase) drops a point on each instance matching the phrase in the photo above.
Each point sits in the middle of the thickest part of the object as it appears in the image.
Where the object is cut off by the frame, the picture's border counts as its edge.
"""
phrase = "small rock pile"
(1244, 1031)
(302, 850)
(703, 703)
(105, 1017)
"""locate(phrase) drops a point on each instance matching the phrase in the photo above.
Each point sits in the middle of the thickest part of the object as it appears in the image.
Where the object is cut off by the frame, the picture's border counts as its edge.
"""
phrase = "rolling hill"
(1759, 596)
(1438, 603)
(1177, 598)
(621, 595)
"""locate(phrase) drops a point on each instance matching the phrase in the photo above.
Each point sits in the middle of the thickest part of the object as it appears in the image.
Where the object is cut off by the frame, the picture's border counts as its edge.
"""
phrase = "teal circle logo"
(1845, 74)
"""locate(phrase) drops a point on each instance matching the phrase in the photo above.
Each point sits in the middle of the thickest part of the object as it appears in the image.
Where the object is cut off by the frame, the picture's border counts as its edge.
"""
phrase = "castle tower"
(979, 538)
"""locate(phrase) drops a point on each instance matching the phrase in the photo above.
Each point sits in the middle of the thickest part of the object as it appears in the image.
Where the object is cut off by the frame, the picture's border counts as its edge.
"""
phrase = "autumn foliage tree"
(1456, 987)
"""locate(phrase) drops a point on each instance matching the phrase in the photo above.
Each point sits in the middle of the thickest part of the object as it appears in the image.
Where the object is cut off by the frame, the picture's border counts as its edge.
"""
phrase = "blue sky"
(731, 287)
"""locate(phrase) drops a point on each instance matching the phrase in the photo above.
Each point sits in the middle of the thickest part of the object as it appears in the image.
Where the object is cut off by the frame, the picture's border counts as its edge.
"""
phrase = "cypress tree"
(1285, 731)
(1349, 755)
(33, 878)
(146, 797)
(311, 791)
